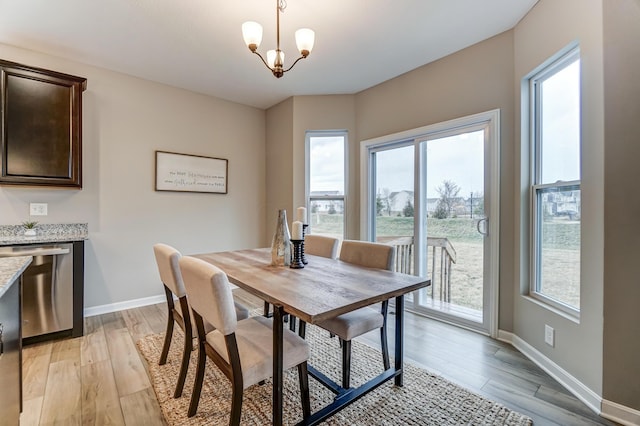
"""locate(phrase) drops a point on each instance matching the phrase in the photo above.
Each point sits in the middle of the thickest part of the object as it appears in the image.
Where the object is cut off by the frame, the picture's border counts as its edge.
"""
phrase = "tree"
(407, 211)
(478, 207)
(440, 211)
(379, 205)
(448, 196)
(332, 209)
(386, 200)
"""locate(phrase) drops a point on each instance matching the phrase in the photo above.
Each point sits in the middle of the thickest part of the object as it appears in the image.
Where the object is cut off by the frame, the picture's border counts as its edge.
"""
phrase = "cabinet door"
(10, 360)
(41, 122)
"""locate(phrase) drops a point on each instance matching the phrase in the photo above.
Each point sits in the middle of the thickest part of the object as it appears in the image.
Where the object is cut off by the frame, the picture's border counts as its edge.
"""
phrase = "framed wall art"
(190, 173)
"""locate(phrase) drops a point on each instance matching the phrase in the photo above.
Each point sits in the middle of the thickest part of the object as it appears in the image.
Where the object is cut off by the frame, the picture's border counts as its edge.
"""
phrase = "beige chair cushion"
(353, 324)
(319, 245)
(241, 313)
(255, 345)
(209, 293)
(368, 254)
(167, 259)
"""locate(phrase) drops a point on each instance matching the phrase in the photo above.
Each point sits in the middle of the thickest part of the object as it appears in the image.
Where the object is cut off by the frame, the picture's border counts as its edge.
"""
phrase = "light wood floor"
(100, 379)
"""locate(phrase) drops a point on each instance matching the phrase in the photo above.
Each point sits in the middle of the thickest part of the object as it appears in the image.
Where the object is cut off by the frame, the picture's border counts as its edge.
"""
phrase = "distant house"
(398, 200)
(565, 203)
(324, 206)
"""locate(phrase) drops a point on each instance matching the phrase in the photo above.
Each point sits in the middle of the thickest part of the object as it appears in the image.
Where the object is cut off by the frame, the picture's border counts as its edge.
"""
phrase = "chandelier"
(252, 33)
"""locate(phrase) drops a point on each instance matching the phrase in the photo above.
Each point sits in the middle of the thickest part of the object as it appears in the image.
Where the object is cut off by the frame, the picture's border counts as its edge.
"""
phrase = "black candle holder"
(304, 232)
(296, 258)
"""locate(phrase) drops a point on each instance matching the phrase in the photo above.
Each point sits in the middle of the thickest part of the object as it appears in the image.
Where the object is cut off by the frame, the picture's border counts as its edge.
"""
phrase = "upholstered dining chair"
(319, 245)
(167, 259)
(353, 324)
(242, 350)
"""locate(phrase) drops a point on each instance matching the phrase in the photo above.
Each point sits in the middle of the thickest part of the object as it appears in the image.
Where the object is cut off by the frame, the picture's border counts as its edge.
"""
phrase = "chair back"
(209, 293)
(320, 245)
(167, 259)
(368, 254)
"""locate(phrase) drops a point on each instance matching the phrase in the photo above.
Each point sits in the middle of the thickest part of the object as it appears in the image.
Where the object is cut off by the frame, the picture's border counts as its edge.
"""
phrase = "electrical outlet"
(38, 209)
(549, 335)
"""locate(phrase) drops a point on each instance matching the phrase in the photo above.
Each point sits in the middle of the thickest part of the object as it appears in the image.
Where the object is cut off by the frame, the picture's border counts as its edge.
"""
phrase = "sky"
(457, 158)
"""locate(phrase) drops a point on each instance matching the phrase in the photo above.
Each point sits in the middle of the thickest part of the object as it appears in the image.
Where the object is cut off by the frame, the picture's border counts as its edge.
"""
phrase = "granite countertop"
(10, 270)
(45, 233)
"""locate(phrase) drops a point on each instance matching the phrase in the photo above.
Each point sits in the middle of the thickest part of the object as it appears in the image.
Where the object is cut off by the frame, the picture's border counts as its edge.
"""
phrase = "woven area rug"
(425, 398)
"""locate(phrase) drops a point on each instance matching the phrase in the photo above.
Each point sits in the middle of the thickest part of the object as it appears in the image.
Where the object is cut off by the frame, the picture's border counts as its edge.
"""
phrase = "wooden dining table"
(323, 289)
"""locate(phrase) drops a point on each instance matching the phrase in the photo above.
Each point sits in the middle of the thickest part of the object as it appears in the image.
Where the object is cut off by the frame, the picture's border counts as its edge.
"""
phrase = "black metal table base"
(344, 397)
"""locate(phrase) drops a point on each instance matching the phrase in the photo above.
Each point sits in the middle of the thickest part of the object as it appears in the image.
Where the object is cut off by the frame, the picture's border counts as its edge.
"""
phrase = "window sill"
(575, 318)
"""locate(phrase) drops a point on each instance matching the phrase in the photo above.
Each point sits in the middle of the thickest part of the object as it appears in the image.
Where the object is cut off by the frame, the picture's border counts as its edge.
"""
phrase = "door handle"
(485, 231)
(36, 252)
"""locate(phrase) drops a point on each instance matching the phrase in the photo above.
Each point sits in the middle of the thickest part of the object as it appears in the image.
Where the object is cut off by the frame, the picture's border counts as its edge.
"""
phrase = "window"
(554, 92)
(326, 182)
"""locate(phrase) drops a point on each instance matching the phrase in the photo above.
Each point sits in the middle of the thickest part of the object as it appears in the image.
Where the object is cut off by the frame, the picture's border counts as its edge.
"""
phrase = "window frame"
(309, 134)
(536, 187)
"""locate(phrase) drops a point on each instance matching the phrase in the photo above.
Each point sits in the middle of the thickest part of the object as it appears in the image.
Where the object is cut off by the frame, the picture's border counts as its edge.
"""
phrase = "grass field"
(560, 263)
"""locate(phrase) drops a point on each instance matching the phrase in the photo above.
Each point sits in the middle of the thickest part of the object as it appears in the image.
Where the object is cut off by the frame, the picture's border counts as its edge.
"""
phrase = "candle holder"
(304, 232)
(296, 259)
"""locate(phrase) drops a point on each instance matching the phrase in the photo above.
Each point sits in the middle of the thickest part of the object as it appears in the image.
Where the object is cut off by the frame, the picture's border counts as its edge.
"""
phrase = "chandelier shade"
(252, 34)
(304, 40)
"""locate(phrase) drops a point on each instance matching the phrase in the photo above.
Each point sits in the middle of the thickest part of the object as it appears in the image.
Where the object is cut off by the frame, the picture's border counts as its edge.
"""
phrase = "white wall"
(547, 29)
(125, 120)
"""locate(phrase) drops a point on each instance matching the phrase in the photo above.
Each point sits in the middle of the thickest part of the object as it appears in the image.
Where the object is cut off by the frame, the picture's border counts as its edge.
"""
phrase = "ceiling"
(197, 44)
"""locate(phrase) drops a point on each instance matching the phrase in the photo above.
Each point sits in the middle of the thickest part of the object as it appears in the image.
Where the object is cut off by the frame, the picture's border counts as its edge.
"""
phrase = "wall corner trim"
(573, 385)
(620, 413)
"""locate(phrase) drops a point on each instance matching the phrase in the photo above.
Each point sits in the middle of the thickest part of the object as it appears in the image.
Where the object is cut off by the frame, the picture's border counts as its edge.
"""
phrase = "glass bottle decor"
(281, 243)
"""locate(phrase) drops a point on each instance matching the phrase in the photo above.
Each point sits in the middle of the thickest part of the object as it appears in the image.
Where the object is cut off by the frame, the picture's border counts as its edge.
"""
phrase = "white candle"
(301, 214)
(296, 230)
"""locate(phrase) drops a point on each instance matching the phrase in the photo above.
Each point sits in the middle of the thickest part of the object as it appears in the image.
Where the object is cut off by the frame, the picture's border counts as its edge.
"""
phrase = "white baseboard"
(573, 385)
(121, 306)
(608, 409)
(620, 413)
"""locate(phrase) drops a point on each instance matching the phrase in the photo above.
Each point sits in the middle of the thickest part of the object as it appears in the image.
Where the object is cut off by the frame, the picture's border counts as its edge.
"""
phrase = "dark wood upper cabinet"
(41, 126)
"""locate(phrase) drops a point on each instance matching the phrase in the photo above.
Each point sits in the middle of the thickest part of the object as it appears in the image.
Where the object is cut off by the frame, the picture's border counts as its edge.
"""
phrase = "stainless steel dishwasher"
(47, 288)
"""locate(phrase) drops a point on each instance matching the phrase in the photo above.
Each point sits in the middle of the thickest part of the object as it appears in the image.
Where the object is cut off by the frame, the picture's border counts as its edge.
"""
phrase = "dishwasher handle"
(37, 252)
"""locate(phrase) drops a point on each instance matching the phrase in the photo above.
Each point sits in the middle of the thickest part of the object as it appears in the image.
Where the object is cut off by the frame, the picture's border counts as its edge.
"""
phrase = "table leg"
(399, 338)
(278, 335)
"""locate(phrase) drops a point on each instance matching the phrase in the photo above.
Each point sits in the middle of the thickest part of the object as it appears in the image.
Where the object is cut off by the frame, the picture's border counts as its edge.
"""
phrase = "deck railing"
(443, 256)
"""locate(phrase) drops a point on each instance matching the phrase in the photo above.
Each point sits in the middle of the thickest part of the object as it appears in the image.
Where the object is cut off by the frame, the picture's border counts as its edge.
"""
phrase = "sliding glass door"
(432, 193)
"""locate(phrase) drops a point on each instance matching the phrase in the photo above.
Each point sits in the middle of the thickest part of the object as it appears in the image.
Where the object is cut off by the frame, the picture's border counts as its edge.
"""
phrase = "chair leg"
(292, 323)
(167, 340)
(236, 405)
(266, 309)
(384, 342)
(184, 366)
(197, 384)
(302, 329)
(346, 363)
(303, 375)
